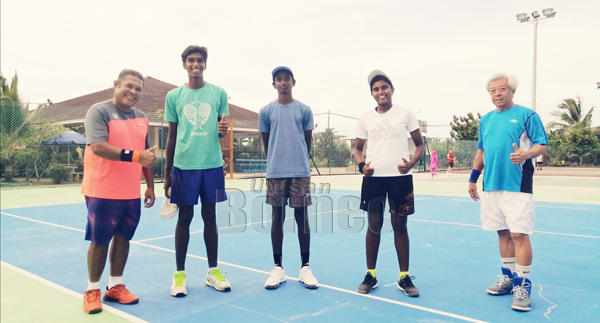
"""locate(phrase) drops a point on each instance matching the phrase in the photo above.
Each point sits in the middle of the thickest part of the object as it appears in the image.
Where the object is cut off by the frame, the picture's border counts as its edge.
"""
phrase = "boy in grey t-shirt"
(286, 128)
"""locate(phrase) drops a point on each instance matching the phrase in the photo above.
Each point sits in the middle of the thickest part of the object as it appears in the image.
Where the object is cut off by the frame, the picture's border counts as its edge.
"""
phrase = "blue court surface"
(452, 259)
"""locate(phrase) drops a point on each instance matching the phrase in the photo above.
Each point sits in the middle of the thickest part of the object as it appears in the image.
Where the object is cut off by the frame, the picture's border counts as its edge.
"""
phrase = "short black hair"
(381, 78)
(194, 49)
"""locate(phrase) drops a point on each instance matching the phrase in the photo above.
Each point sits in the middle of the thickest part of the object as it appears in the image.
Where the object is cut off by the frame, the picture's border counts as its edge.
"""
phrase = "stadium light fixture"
(549, 13)
(523, 17)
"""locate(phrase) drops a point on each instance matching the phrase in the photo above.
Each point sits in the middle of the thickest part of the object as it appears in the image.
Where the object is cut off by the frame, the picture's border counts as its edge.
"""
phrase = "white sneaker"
(216, 280)
(276, 279)
(307, 278)
(179, 286)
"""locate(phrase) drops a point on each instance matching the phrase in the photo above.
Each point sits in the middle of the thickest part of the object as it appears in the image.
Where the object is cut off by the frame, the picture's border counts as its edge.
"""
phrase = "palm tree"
(18, 126)
(13, 115)
(570, 114)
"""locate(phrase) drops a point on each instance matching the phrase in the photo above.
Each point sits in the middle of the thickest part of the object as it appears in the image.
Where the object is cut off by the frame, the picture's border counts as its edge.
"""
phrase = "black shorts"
(451, 164)
(398, 190)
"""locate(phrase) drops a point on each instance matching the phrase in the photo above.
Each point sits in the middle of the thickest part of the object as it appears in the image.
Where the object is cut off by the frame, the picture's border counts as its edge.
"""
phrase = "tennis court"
(44, 271)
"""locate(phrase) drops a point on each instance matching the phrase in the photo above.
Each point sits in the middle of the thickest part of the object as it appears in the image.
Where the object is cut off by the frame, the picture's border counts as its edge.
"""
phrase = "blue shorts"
(187, 185)
(107, 217)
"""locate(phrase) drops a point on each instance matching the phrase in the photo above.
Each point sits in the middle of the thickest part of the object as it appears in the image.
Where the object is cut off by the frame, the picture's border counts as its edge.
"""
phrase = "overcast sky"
(438, 54)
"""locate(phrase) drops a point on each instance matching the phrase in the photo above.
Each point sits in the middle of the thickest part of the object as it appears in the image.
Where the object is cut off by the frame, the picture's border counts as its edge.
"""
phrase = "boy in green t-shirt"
(196, 113)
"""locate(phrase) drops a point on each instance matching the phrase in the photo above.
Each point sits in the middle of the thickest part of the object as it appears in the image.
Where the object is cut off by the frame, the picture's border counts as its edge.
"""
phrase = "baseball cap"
(376, 73)
(279, 69)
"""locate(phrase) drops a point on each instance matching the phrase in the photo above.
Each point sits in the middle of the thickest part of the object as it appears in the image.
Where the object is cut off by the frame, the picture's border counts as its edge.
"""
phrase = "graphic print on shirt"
(384, 130)
(197, 114)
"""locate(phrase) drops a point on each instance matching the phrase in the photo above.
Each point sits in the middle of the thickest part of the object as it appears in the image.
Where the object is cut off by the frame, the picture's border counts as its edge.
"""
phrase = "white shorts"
(503, 210)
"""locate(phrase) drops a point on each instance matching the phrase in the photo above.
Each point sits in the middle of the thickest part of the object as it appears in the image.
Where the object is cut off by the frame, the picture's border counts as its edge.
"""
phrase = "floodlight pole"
(548, 13)
(534, 77)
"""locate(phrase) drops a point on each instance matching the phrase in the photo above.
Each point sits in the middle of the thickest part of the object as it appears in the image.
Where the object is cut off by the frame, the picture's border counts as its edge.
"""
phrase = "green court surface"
(29, 299)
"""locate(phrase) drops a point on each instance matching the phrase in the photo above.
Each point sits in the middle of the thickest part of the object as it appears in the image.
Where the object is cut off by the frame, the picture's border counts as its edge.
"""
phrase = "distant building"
(72, 112)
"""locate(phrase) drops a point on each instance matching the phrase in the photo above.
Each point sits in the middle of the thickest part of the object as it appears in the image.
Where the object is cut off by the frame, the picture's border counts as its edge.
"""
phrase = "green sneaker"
(179, 286)
(216, 280)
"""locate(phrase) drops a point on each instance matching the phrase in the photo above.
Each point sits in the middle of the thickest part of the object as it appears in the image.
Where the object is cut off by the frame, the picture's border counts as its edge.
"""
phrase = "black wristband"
(360, 166)
(126, 155)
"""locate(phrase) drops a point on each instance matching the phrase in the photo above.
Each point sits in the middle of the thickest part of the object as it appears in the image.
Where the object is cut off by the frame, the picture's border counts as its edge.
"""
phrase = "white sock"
(523, 271)
(114, 280)
(509, 263)
(92, 286)
(210, 270)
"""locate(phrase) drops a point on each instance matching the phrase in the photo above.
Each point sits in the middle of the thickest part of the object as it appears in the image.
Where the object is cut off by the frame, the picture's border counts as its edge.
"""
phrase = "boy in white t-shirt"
(387, 173)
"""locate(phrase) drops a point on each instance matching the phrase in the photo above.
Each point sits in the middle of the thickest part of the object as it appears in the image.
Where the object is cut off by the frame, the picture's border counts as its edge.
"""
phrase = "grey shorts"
(296, 189)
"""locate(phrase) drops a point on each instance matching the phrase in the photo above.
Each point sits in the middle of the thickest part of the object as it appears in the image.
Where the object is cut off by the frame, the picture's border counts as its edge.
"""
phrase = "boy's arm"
(265, 140)
(359, 158)
(308, 138)
(170, 150)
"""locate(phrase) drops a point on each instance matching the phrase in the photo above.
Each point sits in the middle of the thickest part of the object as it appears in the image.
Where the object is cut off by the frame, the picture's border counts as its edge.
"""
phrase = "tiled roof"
(153, 98)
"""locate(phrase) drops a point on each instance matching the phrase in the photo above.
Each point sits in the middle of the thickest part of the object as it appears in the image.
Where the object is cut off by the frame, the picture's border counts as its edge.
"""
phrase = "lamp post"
(523, 17)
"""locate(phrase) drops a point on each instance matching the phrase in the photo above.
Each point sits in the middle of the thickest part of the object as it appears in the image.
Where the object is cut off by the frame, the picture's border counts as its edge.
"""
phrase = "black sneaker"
(368, 284)
(405, 284)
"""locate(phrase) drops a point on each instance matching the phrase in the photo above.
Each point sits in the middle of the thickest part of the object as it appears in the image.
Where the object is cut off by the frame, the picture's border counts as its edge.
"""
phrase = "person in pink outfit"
(433, 163)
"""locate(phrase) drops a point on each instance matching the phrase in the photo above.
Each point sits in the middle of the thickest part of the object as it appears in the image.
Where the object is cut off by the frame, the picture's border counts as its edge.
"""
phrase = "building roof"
(73, 111)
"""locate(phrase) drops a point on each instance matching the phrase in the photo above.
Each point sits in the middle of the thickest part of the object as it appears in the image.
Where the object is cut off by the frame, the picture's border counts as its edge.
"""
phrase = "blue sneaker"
(504, 285)
(521, 292)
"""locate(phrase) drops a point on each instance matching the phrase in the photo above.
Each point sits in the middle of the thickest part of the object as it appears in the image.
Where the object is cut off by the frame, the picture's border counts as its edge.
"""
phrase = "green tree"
(12, 113)
(556, 154)
(570, 114)
(582, 142)
(465, 128)
(572, 136)
(19, 126)
(329, 149)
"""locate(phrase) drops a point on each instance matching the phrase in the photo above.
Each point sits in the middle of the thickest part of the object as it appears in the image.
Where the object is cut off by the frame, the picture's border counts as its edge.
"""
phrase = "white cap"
(376, 73)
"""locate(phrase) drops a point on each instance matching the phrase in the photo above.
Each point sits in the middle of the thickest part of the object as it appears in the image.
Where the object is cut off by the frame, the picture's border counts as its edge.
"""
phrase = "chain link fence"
(28, 157)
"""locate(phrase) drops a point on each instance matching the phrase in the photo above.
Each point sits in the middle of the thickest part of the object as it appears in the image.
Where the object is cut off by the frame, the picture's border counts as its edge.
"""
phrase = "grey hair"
(512, 80)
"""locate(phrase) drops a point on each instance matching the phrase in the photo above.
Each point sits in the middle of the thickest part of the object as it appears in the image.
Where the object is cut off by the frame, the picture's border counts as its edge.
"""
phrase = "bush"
(159, 168)
(58, 174)
(61, 159)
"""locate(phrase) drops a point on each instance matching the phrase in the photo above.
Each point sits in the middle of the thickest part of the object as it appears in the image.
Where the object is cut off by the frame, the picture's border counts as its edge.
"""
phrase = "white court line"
(564, 207)
(43, 222)
(568, 234)
(72, 293)
(421, 308)
(537, 205)
(441, 222)
(429, 221)
(417, 307)
(479, 226)
(241, 225)
(39, 205)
